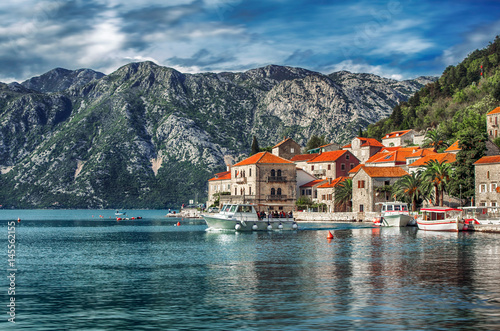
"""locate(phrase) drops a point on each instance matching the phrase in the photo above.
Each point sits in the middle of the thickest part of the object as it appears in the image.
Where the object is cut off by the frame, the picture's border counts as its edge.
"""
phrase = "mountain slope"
(150, 136)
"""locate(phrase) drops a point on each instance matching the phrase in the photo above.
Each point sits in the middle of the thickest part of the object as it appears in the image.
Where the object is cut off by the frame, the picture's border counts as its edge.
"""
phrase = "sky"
(399, 39)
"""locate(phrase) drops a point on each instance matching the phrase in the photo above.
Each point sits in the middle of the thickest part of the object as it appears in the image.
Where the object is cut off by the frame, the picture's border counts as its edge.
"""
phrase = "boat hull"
(395, 220)
(451, 226)
(215, 223)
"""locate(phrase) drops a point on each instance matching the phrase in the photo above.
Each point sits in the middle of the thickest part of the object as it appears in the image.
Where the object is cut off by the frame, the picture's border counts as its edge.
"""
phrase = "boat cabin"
(394, 206)
(440, 213)
(232, 209)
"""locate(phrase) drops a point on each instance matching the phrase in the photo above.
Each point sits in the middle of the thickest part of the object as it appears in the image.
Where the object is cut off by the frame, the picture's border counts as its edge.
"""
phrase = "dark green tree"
(315, 142)
(343, 194)
(255, 146)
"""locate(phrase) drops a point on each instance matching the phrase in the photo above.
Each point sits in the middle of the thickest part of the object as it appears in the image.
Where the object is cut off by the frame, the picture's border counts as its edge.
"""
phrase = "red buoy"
(18, 219)
(178, 223)
(330, 235)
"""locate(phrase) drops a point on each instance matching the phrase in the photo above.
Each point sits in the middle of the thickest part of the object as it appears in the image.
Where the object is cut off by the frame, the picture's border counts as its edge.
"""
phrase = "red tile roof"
(313, 183)
(331, 156)
(488, 159)
(494, 111)
(304, 157)
(396, 134)
(454, 147)
(423, 152)
(378, 172)
(222, 176)
(390, 149)
(398, 156)
(282, 142)
(356, 168)
(262, 157)
(370, 142)
(439, 157)
(333, 183)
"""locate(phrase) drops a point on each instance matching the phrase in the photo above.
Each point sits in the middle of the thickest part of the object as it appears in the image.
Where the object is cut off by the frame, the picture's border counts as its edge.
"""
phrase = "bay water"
(83, 270)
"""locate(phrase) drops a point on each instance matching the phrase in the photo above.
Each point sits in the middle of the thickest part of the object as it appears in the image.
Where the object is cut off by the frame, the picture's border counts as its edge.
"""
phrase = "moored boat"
(393, 214)
(120, 213)
(244, 217)
(440, 219)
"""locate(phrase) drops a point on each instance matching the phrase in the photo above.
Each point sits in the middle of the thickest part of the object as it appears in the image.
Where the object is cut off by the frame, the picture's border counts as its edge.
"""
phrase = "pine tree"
(255, 146)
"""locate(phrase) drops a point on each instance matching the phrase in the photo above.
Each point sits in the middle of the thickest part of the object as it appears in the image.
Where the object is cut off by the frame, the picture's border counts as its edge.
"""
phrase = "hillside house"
(363, 148)
(301, 160)
(487, 176)
(286, 149)
(398, 138)
(396, 157)
(439, 157)
(492, 122)
(325, 148)
(332, 164)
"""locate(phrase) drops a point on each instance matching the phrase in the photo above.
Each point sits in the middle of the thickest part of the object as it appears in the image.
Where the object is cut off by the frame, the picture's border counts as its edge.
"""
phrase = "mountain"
(147, 136)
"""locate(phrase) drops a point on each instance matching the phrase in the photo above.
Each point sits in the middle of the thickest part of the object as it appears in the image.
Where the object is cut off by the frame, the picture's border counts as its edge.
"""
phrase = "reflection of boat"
(243, 217)
(440, 219)
(393, 214)
(120, 213)
(482, 215)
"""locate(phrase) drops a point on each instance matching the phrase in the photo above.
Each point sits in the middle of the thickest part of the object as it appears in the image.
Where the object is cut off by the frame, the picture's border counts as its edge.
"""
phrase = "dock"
(490, 228)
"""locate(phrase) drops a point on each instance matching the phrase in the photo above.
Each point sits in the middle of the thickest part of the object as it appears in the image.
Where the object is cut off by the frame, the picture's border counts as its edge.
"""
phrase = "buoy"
(330, 235)
(294, 226)
(269, 227)
(18, 219)
(237, 226)
(255, 227)
(280, 226)
(178, 223)
(118, 218)
(133, 218)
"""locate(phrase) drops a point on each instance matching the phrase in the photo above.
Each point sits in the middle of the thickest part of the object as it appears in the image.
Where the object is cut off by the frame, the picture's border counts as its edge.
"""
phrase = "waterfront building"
(363, 148)
(487, 177)
(219, 184)
(326, 194)
(332, 164)
(310, 190)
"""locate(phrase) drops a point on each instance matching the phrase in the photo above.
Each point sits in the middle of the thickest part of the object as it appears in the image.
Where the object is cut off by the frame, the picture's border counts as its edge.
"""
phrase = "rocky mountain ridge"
(150, 136)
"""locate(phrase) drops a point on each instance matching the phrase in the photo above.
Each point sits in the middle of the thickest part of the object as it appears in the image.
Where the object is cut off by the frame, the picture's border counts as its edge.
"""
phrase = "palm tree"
(343, 193)
(439, 174)
(433, 139)
(411, 188)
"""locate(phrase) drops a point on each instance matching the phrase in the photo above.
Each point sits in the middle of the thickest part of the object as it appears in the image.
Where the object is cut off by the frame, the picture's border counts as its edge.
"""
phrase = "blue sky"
(397, 38)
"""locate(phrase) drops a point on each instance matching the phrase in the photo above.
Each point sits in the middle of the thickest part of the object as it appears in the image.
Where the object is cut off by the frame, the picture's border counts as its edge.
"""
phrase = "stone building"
(219, 184)
(302, 159)
(492, 122)
(398, 138)
(286, 149)
(365, 183)
(439, 157)
(363, 148)
(265, 179)
(487, 176)
(332, 164)
(326, 194)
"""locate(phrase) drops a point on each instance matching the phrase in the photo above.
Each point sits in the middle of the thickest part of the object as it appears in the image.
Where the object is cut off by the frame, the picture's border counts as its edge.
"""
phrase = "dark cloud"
(202, 58)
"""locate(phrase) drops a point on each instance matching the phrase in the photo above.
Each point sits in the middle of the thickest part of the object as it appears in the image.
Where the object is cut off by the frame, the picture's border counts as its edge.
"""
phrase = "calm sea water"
(79, 271)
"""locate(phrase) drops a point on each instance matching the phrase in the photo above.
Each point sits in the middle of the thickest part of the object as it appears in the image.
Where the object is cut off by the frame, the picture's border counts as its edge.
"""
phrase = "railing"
(276, 197)
(241, 180)
(276, 179)
(319, 172)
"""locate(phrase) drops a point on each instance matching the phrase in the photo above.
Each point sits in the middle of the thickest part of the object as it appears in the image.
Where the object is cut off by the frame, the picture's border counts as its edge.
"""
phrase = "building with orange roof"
(453, 148)
(395, 158)
(301, 160)
(265, 179)
(310, 189)
(325, 148)
(492, 122)
(368, 184)
(219, 184)
(332, 164)
(363, 148)
(487, 177)
(398, 138)
(326, 194)
(439, 157)
(287, 148)
(418, 154)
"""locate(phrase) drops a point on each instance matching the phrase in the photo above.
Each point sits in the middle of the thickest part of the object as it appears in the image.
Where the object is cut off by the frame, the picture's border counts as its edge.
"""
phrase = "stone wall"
(336, 217)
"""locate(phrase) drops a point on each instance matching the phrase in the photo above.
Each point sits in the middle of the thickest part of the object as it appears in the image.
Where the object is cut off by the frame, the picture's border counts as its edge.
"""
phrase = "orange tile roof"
(347, 146)
(282, 142)
(333, 183)
(423, 152)
(396, 134)
(494, 111)
(377, 172)
(331, 156)
(313, 183)
(304, 157)
(454, 147)
(439, 157)
(222, 176)
(396, 156)
(262, 157)
(488, 159)
(356, 168)
(370, 142)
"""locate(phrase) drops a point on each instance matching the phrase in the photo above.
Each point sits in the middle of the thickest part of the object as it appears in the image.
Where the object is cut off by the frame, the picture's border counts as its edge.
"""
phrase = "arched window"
(278, 191)
(273, 173)
(273, 191)
(278, 173)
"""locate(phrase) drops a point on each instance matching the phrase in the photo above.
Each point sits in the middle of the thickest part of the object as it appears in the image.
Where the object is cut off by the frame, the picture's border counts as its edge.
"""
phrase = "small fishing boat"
(393, 214)
(120, 213)
(244, 217)
(441, 219)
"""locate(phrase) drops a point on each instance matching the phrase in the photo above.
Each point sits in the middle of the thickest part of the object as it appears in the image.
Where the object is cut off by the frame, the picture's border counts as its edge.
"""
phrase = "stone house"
(220, 183)
(392, 158)
(363, 148)
(265, 179)
(301, 160)
(325, 148)
(332, 164)
(365, 183)
(487, 176)
(286, 149)
(492, 122)
(310, 190)
(398, 138)
(439, 157)
(326, 194)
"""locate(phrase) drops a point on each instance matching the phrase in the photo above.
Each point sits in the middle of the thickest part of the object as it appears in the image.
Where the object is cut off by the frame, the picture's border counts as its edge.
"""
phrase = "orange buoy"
(330, 235)
(178, 223)
(18, 219)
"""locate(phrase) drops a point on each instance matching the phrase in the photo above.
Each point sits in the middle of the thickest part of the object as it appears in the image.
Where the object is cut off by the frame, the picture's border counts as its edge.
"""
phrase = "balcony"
(276, 197)
(276, 179)
(319, 172)
(241, 180)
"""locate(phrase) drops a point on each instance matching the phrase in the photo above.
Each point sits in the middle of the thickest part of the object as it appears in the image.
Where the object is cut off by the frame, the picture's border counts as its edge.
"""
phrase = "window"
(278, 173)
(273, 173)
(347, 156)
(229, 187)
(342, 167)
(250, 172)
(493, 204)
(312, 168)
(361, 208)
(243, 175)
(235, 191)
(482, 204)
(292, 150)
(250, 190)
(323, 197)
(361, 184)
(303, 192)
(482, 188)
(278, 191)
(273, 191)
(329, 197)
(235, 173)
(493, 187)
(488, 174)
(329, 167)
(352, 166)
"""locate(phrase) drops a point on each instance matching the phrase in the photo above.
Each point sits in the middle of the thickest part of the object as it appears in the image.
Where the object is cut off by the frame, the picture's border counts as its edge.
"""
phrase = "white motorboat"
(440, 219)
(393, 214)
(244, 217)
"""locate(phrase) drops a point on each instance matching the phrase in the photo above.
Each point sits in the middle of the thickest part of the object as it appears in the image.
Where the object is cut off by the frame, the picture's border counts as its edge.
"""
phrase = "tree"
(434, 139)
(304, 202)
(255, 146)
(412, 188)
(343, 194)
(315, 142)
(439, 174)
